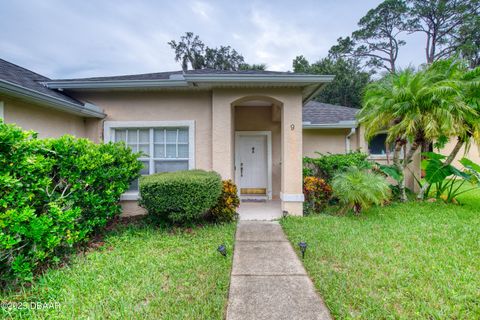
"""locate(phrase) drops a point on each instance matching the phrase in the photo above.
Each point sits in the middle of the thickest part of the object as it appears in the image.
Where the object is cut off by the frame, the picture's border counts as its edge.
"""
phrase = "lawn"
(140, 272)
(405, 261)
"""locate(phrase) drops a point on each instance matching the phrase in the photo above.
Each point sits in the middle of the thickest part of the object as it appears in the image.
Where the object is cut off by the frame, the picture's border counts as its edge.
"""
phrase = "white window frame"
(109, 136)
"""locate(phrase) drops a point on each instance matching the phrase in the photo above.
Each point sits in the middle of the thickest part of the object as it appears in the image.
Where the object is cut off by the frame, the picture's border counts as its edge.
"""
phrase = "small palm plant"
(359, 189)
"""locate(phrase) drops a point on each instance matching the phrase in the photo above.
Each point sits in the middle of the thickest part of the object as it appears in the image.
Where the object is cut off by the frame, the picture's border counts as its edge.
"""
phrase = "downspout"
(347, 139)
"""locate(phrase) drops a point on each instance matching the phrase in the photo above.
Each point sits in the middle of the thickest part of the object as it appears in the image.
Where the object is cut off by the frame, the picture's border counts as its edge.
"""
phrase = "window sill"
(128, 196)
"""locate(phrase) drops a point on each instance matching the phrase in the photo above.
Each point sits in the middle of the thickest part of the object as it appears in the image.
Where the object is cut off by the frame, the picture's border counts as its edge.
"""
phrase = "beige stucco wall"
(46, 121)
(327, 141)
(223, 125)
(158, 106)
(333, 141)
(249, 118)
(472, 154)
(214, 116)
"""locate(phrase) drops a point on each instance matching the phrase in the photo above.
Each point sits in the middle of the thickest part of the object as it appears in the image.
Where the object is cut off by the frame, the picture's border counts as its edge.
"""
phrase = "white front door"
(252, 164)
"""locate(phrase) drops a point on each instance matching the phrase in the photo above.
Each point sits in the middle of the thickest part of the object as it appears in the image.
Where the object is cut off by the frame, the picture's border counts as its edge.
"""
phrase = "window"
(165, 146)
(377, 146)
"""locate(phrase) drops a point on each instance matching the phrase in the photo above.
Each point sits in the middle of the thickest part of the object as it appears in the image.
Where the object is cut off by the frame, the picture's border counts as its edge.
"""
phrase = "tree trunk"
(448, 161)
(399, 143)
(415, 145)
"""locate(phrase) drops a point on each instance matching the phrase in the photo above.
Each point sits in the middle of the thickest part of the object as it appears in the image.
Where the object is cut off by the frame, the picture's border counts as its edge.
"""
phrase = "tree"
(377, 39)
(454, 78)
(347, 86)
(191, 51)
(222, 58)
(467, 40)
(416, 107)
(247, 67)
(444, 24)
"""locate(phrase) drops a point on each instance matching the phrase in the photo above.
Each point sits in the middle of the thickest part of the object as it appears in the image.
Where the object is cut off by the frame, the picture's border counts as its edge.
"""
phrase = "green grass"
(140, 273)
(405, 261)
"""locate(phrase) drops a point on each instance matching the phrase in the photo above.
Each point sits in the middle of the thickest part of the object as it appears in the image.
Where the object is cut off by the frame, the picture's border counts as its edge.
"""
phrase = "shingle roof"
(166, 75)
(30, 80)
(316, 112)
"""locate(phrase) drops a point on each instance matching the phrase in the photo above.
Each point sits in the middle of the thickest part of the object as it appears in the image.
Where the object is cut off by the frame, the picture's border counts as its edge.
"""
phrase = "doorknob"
(241, 169)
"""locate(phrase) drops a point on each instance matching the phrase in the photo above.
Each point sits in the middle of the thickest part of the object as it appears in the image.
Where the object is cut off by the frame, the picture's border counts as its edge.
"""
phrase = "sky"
(71, 39)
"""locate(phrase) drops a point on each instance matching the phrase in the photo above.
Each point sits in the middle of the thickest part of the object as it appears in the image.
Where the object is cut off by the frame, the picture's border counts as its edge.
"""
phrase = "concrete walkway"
(267, 210)
(268, 280)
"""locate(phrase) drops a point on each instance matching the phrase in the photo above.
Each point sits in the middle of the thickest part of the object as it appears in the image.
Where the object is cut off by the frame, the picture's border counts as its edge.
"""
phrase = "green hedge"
(182, 196)
(53, 194)
(327, 165)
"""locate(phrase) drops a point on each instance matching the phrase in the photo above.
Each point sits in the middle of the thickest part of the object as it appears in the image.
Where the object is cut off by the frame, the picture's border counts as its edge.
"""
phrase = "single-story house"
(253, 127)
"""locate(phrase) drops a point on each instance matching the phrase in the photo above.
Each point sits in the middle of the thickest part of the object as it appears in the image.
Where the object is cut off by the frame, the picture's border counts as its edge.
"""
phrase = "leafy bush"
(182, 196)
(226, 208)
(358, 189)
(448, 181)
(317, 194)
(53, 194)
(326, 166)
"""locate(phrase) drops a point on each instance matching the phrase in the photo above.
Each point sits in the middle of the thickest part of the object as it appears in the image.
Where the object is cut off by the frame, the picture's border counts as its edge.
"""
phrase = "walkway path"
(268, 280)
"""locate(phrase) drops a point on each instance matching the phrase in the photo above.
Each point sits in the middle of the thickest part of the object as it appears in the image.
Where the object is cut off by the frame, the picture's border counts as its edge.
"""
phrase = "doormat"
(253, 200)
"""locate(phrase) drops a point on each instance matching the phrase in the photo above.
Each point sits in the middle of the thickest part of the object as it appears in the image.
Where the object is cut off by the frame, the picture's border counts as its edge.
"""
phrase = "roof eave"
(18, 91)
(188, 81)
(116, 84)
(338, 125)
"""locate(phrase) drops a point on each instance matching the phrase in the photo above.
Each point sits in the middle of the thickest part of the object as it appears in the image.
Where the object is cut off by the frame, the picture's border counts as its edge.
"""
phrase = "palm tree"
(416, 108)
(359, 189)
(463, 84)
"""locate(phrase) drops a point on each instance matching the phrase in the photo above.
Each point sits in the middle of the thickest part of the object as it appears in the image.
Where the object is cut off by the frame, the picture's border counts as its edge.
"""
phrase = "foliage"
(360, 189)
(55, 193)
(376, 40)
(396, 261)
(226, 208)
(420, 107)
(222, 58)
(449, 182)
(190, 50)
(327, 165)
(346, 88)
(181, 196)
(191, 277)
(317, 194)
(248, 67)
(445, 24)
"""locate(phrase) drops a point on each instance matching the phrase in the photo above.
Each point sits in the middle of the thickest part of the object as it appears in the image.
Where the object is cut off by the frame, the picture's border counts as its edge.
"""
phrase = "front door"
(252, 165)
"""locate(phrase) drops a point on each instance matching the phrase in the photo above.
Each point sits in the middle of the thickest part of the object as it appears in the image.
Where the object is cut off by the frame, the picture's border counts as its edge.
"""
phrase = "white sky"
(62, 39)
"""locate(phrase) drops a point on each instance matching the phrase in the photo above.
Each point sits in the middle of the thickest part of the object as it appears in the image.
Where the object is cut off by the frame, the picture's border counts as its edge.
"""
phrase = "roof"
(23, 83)
(168, 74)
(199, 79)
(323, 115)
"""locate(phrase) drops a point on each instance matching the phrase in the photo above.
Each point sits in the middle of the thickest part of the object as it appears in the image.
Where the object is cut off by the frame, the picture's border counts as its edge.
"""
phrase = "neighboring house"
(250, 126)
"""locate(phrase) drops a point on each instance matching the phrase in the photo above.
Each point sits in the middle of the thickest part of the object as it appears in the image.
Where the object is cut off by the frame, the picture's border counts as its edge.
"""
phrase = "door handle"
(241, 169)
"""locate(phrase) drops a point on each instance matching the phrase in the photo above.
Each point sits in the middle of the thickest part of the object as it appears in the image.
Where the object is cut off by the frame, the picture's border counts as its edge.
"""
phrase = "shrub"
(317, 194)
(326, 166)
(359, 189)
(53, 194)
(226, 208)
(182, 196)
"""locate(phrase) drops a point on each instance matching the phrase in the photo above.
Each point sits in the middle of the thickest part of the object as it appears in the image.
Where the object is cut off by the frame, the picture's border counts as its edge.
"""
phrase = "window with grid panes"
(163, 149)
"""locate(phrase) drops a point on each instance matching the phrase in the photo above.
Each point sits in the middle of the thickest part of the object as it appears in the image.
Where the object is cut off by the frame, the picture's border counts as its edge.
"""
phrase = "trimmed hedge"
(182, 196)
(55, 193)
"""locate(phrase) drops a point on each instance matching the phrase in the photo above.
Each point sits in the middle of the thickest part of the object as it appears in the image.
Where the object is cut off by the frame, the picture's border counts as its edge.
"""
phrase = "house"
(249, 126)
